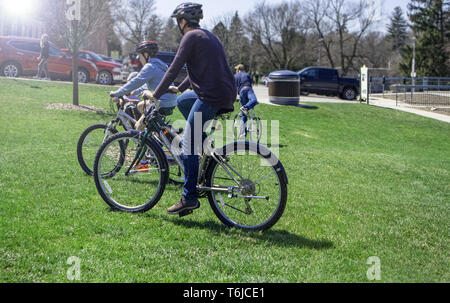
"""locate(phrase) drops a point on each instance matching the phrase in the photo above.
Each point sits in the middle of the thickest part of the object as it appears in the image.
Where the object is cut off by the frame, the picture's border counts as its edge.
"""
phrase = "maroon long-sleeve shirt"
(209, 73)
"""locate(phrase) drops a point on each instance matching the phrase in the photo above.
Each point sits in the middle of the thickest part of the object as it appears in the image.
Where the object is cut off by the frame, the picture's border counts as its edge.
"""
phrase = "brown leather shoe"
(183, 205)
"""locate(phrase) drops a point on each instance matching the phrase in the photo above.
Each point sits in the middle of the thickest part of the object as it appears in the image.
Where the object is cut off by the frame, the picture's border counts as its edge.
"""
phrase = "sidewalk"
(387, 103)
(262, 93)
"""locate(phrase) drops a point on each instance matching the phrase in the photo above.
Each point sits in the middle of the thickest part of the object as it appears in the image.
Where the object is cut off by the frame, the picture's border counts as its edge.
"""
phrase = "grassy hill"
(364, 182)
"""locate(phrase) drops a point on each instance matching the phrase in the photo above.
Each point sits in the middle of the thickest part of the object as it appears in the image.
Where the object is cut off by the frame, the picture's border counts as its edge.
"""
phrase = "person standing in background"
(257, 78)
(43, 58)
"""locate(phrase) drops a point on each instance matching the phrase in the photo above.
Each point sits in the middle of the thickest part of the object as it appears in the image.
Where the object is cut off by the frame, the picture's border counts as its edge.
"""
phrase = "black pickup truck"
(326, 81)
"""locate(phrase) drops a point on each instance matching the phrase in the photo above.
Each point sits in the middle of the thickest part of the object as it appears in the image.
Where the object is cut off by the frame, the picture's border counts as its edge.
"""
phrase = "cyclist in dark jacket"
(214, 91)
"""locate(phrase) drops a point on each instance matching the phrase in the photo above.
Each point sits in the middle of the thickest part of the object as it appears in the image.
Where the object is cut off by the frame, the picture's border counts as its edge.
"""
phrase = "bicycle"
(95, 135)
(253, 127)
(241, 191)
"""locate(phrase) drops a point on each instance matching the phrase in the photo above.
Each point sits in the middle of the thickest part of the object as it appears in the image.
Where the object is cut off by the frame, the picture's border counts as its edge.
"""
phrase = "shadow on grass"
(26, 84)
(100, 115)
(280, 238)
(306, 106)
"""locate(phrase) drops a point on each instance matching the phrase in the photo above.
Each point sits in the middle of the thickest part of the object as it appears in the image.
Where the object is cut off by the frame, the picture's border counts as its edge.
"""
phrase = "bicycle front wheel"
(248, 186)
(89, 143)
(135, 186)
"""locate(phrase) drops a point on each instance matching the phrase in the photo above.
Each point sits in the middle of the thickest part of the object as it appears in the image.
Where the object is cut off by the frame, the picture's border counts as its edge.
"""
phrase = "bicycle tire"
(126, 191)
(88, 169)
(264, 153)
(256, 121)
(237, 126)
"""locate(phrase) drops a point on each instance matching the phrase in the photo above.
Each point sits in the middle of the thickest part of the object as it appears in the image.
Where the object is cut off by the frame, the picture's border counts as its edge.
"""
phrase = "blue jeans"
(197, 113)
(248, 99)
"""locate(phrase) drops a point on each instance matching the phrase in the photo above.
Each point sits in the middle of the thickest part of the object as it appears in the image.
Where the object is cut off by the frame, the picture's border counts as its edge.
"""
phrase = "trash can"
(284, 88)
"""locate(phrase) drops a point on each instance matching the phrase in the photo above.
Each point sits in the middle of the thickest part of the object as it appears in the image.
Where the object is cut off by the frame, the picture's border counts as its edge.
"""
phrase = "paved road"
(262, 93)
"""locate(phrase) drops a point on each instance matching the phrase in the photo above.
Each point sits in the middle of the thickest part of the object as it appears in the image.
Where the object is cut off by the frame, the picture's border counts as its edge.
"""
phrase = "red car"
(108, 72)
(18, 57)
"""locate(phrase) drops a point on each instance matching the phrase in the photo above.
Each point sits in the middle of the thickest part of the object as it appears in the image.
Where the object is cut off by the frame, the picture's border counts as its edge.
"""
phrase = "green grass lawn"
(364, 182)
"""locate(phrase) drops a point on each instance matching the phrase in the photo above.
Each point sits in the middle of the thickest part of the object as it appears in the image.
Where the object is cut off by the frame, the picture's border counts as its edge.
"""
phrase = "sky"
(218, 8)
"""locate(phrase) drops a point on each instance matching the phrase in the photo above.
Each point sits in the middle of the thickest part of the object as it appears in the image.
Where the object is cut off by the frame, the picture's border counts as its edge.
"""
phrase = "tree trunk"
(75, 65)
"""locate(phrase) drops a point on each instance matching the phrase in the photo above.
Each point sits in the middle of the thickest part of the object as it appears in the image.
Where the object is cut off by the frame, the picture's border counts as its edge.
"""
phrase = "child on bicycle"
(148, 79)
(214, 92)
(244, 84)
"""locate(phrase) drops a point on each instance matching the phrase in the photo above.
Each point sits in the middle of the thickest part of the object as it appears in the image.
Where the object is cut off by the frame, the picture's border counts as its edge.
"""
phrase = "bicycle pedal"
(185, 213)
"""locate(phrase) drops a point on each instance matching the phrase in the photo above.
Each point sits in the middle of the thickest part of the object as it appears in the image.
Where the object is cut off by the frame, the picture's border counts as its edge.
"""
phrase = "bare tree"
(317, 11)
(73, 34)
(221, 29)
(376, 51)
(135, 20)
(280, 30)
(342, 24)
(171, 36)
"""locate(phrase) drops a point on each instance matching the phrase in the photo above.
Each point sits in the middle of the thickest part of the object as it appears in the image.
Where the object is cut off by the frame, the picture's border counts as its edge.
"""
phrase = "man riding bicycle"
(148, 79)
(247, 96)
(214, 92)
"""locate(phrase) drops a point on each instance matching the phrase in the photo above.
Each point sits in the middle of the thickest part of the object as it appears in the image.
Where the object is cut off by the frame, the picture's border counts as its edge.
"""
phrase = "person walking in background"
(257, 78)
(43, 58)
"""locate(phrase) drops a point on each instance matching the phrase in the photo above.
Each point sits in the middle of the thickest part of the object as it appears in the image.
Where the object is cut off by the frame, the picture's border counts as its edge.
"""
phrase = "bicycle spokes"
(129, 175)
(250, 198)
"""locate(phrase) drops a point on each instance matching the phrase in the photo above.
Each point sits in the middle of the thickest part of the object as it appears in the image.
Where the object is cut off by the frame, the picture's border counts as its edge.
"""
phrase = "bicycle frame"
(158, 125)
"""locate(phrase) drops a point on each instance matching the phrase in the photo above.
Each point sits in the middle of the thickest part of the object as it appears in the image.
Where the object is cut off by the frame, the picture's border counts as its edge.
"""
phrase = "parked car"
(109, 59)
(326, 81)
(108, 72)
(132, 64)
(18, 57)
(265, 80)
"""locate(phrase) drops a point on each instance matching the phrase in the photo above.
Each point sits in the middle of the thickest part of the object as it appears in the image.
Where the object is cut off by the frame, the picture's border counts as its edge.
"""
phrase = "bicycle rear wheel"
(89, 143)
(253, 187)
(132, 187)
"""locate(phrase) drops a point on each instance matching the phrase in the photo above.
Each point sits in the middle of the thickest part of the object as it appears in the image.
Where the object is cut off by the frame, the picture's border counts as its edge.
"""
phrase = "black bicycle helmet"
(151, 47)
(191, 12)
